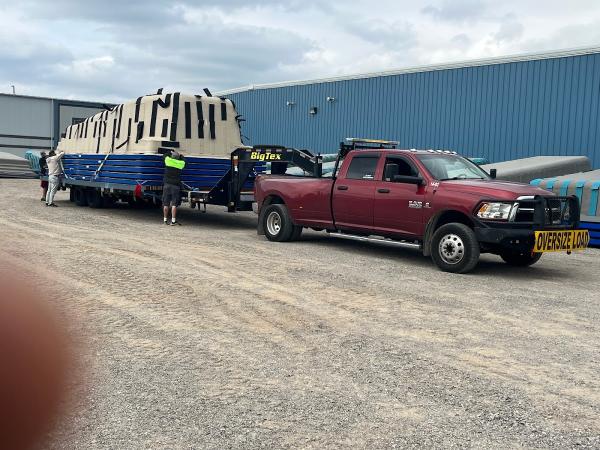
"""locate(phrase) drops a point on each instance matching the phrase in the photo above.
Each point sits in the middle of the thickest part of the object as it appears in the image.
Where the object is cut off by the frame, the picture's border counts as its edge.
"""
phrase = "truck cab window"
(398, 166)
(452, 167)
(362, 168)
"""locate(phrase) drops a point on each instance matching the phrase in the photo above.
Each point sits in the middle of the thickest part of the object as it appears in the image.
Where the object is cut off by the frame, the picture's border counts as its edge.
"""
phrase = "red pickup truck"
(432, 200)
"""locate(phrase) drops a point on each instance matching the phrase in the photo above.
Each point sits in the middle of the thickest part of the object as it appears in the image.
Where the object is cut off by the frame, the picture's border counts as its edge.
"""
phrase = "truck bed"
(308, 198)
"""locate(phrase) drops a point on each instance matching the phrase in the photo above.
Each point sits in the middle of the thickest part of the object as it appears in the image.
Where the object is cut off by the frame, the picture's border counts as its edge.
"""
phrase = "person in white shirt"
(54, 173)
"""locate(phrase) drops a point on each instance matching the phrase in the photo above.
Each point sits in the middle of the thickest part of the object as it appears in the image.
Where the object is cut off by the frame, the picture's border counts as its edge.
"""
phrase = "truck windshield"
(450, 167)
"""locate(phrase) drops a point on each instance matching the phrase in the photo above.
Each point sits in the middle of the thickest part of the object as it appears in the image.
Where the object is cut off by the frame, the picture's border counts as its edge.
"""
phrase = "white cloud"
(510, 30)
(115, 50)
(456, 10)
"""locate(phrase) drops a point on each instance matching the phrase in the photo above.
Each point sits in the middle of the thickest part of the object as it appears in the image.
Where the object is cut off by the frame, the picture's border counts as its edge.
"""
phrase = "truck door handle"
(383, 191)
(342, 188)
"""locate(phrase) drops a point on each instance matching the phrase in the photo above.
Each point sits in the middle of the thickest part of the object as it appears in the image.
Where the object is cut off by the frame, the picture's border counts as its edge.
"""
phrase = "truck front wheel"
(454, 248)
(523, 259)
(278, 224)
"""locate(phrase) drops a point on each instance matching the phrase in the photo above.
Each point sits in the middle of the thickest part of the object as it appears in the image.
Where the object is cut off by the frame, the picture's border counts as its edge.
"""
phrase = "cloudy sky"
(113, 50)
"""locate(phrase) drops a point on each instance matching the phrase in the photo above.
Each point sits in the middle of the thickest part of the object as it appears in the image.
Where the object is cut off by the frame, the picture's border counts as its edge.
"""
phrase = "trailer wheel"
(108, 201)
(72, 194)
(520, 259)
(94, 198)
(454, 248)
(278, 224)
(80, 197)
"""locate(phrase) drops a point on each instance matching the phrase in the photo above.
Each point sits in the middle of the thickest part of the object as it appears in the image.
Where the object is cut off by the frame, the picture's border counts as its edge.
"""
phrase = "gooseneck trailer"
(99, 182)
(118, 153)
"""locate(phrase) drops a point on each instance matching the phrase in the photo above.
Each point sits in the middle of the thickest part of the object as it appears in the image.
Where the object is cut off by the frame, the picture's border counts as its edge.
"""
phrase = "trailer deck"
(98, 180)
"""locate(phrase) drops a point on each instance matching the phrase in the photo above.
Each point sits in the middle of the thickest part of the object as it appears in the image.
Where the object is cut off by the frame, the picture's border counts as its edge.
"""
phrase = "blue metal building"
(501, 109)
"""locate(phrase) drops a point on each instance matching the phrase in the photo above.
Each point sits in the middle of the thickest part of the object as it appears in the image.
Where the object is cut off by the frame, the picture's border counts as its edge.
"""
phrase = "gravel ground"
(209, 336)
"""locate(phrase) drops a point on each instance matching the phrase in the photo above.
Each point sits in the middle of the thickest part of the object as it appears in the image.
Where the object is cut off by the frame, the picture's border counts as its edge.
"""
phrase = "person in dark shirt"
(43, 172)
(174, 164)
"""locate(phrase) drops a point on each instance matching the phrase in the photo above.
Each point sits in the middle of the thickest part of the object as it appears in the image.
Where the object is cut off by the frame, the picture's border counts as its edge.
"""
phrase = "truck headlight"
(497, 211)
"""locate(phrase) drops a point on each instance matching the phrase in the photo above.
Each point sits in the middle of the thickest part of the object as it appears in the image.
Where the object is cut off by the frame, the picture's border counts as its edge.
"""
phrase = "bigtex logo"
(265, 156)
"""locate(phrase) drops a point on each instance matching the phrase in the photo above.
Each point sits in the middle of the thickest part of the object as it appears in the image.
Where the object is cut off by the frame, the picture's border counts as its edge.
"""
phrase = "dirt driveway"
(209, 336)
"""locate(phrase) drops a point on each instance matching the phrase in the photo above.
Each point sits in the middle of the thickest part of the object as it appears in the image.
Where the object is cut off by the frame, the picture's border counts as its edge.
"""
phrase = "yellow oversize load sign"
(560, 241)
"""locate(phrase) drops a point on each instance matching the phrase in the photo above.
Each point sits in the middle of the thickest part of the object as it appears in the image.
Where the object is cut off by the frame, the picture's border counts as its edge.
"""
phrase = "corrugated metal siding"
(25, 116)
(500, 111)
(25, 123)
(29, 122)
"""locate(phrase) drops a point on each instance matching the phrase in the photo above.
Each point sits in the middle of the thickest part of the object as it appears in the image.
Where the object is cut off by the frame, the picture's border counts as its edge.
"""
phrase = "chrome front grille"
(526, 211)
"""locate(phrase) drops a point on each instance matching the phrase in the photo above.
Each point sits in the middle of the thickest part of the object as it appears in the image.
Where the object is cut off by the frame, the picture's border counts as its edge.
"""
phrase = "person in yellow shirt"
(174, 164)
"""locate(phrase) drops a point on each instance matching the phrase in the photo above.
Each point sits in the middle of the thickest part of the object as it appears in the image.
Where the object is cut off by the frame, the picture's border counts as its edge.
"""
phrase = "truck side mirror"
(407, 179)
(493, 174)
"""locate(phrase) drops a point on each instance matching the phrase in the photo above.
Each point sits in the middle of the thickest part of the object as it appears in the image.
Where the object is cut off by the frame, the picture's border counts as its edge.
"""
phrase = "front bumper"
(535, 214)
(521, 239)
